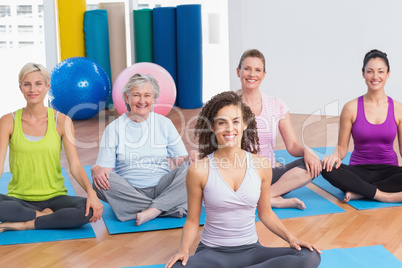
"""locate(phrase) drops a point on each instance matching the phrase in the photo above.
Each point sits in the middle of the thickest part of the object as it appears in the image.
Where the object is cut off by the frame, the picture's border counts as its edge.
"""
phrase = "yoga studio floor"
(353, 228)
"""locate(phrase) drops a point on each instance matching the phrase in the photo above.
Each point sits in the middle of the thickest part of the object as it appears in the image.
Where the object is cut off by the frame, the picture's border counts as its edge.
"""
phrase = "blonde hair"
(34, 67)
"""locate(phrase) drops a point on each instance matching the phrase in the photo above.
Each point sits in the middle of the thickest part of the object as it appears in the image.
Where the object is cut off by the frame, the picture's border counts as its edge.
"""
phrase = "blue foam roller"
(189, 56)
(97, 41)
(164, 40)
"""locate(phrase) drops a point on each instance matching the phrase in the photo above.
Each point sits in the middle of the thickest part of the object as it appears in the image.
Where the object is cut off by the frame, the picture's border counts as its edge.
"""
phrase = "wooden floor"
(342, 230)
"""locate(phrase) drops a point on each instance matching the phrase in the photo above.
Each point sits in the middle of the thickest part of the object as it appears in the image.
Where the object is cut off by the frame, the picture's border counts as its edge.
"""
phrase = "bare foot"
(351, 196)
(388, 197)
(17, 226)
(178, 214)
(44, 212)
(280, 202)
(147, 215)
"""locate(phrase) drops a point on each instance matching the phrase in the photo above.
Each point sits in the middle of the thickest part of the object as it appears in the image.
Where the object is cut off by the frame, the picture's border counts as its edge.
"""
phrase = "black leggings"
(251, 256)
(278, 172)
(365, 179)
(69, 211)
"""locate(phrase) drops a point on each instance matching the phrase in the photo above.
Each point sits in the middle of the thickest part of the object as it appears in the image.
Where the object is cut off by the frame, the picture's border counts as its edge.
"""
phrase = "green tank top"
(35, 165)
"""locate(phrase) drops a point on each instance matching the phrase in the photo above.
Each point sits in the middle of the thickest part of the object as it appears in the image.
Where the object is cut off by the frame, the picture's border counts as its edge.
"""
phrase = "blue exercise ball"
(79, 88)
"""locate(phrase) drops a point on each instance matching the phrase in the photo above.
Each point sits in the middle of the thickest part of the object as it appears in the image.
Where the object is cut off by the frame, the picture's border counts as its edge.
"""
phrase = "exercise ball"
(79, 88)
(167, 95)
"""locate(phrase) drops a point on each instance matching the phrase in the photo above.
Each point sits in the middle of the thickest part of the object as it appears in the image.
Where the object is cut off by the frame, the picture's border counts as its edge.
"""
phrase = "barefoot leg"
(351, 196)
(44, 212)
(17, 226)
(147, 215)
(291, 180)
(280, 202)
(388, 197)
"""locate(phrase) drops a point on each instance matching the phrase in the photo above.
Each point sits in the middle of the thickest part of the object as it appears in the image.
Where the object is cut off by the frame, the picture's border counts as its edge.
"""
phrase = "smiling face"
(376, 74)
(34, 88)
(140, 100)
(229, 126)
(251, 73)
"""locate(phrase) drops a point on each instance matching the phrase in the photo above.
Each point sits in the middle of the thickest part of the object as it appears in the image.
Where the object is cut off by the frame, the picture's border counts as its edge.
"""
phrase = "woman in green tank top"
(37, 197)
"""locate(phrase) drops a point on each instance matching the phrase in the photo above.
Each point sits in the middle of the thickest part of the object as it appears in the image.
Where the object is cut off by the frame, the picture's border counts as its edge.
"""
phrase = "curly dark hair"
(207, 142)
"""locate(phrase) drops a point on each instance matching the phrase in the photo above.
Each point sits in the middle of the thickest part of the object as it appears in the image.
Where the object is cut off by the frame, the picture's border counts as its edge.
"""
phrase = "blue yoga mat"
(96, 31)
(371, 256)
(360, 204)
(165, 40)
(315, 205)
(114, 226)
(36, 236)
(284, 157)
(189, 56)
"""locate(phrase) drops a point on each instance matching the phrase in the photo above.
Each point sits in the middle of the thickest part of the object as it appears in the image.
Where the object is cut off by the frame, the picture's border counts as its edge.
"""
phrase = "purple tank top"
(374, 144)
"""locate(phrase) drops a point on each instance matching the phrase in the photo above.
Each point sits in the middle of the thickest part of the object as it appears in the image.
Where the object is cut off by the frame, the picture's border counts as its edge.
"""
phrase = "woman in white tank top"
(233, 181)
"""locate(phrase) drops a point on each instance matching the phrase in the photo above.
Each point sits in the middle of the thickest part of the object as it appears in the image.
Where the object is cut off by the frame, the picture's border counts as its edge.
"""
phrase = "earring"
(128, 107)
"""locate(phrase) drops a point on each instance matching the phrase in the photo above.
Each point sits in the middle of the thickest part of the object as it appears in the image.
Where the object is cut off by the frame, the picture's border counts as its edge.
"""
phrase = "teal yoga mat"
(143, 35)
(37, 236)
(284, 157)
(96, 31)
(315, 205)
(361, 257)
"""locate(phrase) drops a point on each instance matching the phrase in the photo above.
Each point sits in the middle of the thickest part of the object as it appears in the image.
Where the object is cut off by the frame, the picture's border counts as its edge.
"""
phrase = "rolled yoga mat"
(164, 40)
(189, 56)
(143, 35)
(97, 41)
(117, 37)
(71, 24)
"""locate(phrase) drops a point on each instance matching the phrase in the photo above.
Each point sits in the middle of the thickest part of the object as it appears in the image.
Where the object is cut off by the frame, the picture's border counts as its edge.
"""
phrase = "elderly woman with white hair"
(133, 172)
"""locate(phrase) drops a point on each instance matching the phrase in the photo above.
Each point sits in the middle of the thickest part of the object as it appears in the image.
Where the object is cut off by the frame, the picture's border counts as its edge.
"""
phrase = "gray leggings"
(251, 256)
(69, 211)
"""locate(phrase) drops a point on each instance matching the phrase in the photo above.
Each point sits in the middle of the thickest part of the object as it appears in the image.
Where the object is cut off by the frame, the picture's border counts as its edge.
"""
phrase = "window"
(25, 28)
(24, 9)
(4, 11)
(25, 44)
(40, 11)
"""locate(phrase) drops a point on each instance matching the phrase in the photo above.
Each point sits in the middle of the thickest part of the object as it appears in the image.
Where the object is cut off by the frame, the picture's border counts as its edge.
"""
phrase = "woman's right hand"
(183, 256)
(100, 177)
(329, 161)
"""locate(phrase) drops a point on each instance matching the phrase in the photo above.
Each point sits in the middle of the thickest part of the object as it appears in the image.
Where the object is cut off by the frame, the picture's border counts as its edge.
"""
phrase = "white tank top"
(230, 215)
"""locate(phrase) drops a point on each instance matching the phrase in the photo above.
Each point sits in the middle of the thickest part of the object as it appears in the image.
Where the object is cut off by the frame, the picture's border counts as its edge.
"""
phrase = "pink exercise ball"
(167, 95)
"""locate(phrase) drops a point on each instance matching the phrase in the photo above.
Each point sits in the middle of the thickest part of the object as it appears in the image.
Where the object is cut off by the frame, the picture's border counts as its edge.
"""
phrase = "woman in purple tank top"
(232, 181)
(373, 120)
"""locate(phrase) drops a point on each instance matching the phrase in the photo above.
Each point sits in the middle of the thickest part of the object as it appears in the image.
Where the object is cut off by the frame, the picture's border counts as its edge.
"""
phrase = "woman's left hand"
(313, 163)
(297, 244)
(96, 205)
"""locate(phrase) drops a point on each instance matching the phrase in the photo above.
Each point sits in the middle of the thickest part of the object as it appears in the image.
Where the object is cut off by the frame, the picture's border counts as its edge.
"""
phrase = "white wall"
(314, 49)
